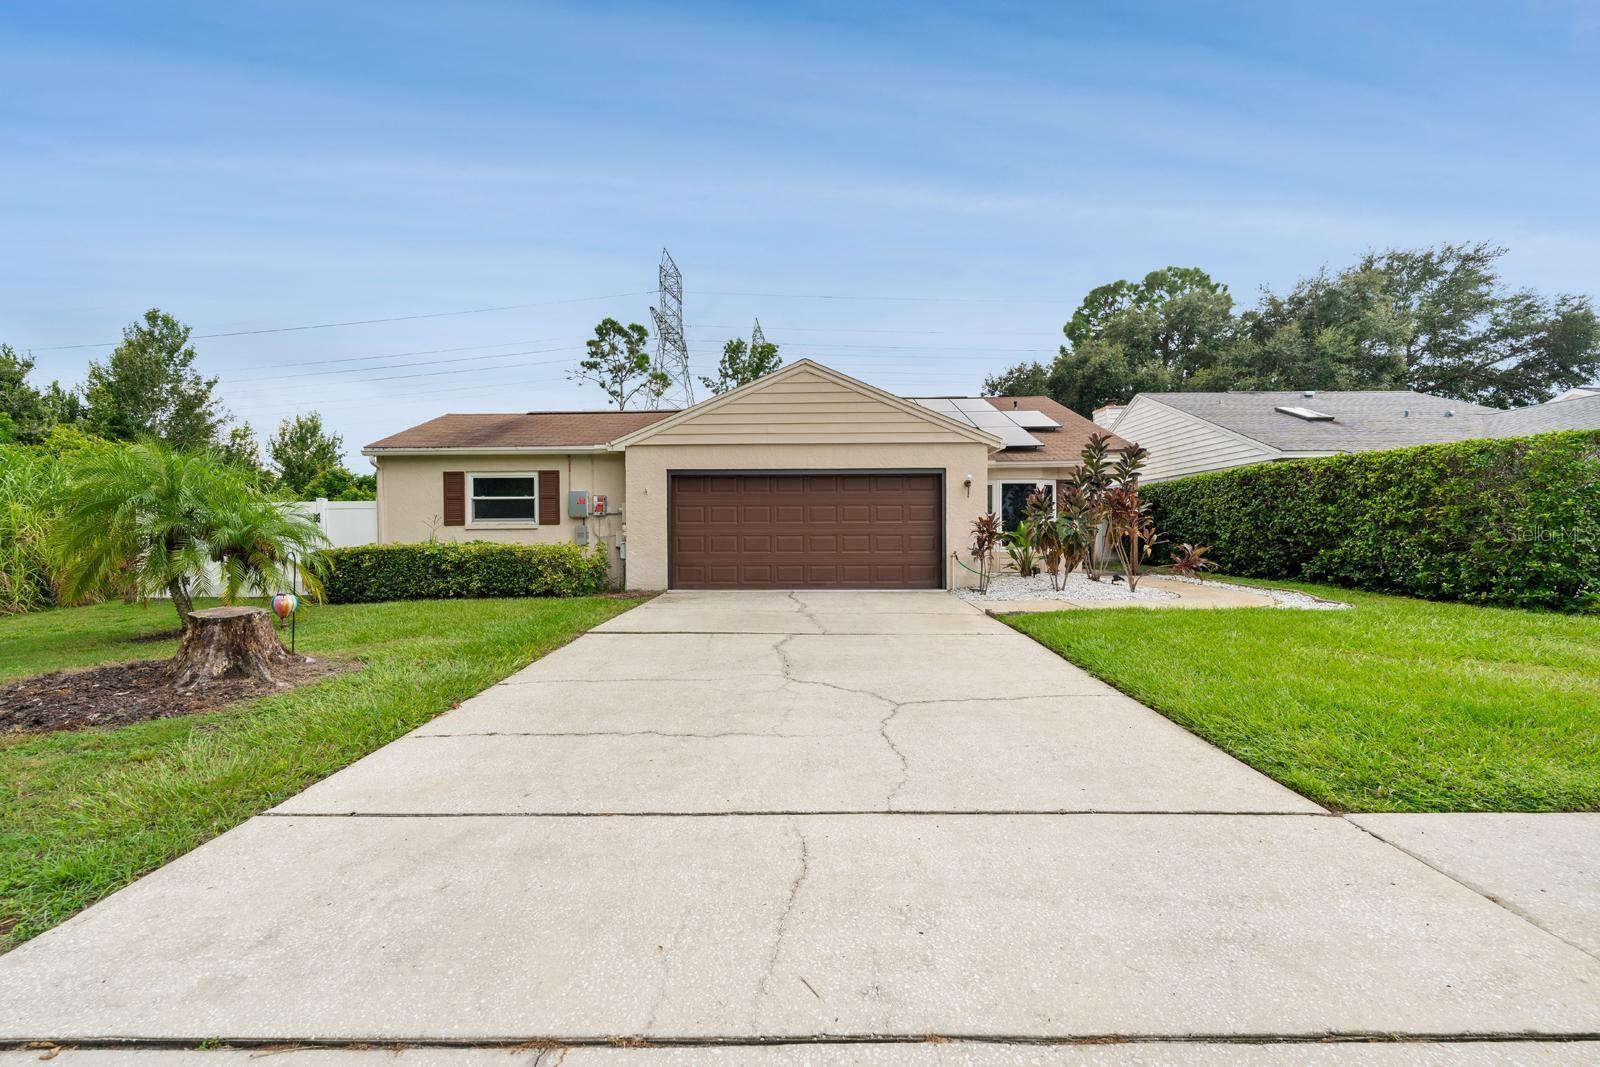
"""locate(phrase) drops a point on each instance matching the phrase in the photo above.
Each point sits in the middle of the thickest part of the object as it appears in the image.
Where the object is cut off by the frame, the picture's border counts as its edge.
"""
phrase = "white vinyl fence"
(345, 522)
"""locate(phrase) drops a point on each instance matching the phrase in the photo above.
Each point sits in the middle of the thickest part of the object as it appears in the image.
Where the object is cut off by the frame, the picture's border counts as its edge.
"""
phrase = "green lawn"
(1397, 705)
(84, 813)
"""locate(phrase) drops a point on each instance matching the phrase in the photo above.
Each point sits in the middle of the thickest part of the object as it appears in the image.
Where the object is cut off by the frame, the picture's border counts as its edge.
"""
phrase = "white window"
(503, 497)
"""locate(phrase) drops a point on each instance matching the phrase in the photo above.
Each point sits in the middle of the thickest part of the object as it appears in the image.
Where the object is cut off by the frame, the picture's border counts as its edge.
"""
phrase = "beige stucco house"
(805, 478)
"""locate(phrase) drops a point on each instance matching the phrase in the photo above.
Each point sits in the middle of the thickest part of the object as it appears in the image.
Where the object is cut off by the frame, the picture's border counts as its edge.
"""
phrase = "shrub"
(457, 570)
(1513, 521)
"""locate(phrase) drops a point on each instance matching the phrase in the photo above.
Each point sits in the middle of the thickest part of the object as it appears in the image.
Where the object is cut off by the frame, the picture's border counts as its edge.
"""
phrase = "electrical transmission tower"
(757, 338)
(672, 351)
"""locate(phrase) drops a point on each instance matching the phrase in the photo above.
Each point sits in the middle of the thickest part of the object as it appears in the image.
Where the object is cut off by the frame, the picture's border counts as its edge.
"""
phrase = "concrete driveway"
(816, 819)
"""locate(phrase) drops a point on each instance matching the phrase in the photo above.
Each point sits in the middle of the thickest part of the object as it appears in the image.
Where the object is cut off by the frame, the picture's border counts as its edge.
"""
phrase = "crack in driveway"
(782, 929)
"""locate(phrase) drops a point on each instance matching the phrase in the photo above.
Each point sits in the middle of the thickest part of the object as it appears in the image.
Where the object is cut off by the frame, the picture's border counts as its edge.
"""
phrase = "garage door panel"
(786, 531)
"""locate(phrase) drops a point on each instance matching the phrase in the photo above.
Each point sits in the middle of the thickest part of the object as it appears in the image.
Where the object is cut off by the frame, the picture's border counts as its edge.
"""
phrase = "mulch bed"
(124, 693)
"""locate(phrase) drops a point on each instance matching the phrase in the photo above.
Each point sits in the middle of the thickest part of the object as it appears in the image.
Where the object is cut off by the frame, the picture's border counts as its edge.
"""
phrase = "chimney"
(1107, 415)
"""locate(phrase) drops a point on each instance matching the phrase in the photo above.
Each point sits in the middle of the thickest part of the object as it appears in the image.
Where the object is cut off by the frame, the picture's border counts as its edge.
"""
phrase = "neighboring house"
(1190, 433)
(805, 478)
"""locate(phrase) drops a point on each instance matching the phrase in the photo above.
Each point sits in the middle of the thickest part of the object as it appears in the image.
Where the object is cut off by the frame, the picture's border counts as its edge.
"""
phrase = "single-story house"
(1191, 433)
(804, 478)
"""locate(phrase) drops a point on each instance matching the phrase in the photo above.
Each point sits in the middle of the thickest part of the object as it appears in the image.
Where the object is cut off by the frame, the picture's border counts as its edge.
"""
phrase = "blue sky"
(918, 194)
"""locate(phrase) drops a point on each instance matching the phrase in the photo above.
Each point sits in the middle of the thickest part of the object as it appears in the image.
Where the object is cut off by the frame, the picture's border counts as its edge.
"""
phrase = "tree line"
(148, 388)
(1437, 320)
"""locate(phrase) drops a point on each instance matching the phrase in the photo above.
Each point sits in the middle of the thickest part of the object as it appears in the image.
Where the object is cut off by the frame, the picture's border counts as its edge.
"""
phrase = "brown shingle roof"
(1060, 446)
(532, 429)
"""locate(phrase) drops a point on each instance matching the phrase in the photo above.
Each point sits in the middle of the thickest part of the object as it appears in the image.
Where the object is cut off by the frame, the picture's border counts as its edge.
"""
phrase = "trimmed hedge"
(1513, 521)
(460, 570)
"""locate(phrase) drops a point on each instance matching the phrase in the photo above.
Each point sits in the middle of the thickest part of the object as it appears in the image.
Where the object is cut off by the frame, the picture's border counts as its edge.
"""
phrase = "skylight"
(1305, 413)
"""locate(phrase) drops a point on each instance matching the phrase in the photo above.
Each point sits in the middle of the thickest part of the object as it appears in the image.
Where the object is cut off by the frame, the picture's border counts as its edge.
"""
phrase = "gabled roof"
(1370, 420)
(1363, 420)
(801, 367)
(543, 430)
(1577, 413)
(1056, 446)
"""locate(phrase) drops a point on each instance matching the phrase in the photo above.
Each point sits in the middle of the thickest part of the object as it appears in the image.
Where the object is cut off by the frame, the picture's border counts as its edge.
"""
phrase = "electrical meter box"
(577, 503)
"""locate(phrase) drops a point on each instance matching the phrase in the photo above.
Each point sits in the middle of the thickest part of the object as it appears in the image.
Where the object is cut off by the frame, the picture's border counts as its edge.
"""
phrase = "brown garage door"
(791, 531)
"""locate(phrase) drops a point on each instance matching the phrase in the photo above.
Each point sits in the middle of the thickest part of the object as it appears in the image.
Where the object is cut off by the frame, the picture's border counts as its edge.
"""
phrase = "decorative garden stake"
(287, 606)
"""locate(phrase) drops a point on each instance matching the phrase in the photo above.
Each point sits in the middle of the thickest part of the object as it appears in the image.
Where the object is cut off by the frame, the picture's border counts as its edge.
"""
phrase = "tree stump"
(229, 643)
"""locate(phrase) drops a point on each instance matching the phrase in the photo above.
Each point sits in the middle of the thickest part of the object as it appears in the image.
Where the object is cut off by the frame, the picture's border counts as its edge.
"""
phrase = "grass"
(1397, 705)
(84, 813)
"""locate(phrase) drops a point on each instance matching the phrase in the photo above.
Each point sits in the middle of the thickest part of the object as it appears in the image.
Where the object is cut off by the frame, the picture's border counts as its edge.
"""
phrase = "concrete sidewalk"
(844, 817)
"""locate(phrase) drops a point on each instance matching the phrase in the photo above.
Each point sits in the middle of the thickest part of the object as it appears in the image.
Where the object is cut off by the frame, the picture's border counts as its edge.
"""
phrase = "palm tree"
(145, 519)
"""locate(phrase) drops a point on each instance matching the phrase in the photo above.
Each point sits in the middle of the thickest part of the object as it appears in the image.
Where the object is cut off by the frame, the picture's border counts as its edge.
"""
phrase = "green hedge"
(1513, 521)
(456, 570)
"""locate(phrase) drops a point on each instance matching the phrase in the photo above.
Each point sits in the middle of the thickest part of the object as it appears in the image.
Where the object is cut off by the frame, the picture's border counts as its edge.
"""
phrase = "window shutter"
(455, 498)
(549, 498)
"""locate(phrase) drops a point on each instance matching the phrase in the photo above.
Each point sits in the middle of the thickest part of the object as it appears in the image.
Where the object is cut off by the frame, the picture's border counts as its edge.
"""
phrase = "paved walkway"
(846, 823)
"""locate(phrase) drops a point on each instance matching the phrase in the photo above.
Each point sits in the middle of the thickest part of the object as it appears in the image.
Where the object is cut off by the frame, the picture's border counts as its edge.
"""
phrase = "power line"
(398, 355)
(367, 322)
(888, 299)
(394, 366)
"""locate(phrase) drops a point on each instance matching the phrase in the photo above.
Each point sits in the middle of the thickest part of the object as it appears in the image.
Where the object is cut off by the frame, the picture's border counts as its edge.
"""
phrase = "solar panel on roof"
(973, 403)
(988, 418)
(1031, 420)
(1014, 437)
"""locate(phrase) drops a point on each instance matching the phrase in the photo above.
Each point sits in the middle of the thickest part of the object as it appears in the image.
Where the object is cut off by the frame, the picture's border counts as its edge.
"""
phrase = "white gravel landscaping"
(1077, 587)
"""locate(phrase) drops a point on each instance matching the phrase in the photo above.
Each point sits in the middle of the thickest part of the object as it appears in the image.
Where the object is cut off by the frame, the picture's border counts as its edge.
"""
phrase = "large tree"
(303, 450)
(21, 405)
(1468, 336)
(1438, 320)
(1328, 332)
(148, 387)
(1170, 330)
(741, 365)
(618, 362)
(1029, 378)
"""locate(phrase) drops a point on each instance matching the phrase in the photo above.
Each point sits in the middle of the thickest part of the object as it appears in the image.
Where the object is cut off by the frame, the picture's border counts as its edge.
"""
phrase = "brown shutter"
(549, 498)
(455, 498)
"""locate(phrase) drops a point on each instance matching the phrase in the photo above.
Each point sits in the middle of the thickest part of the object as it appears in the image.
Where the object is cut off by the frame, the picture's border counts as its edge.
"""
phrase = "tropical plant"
(1091, 483)
(1076, 528)
(1129, 523)
(1019, 546)
(146, 519)
(1039, 527)
(1189, 561)
(986, 536)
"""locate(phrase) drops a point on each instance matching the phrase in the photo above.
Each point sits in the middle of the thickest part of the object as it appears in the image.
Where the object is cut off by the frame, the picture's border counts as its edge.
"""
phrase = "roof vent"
(1309, 393)
(1405, 414)
(1449, 413)
(1013, 403)
(1305, 413)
